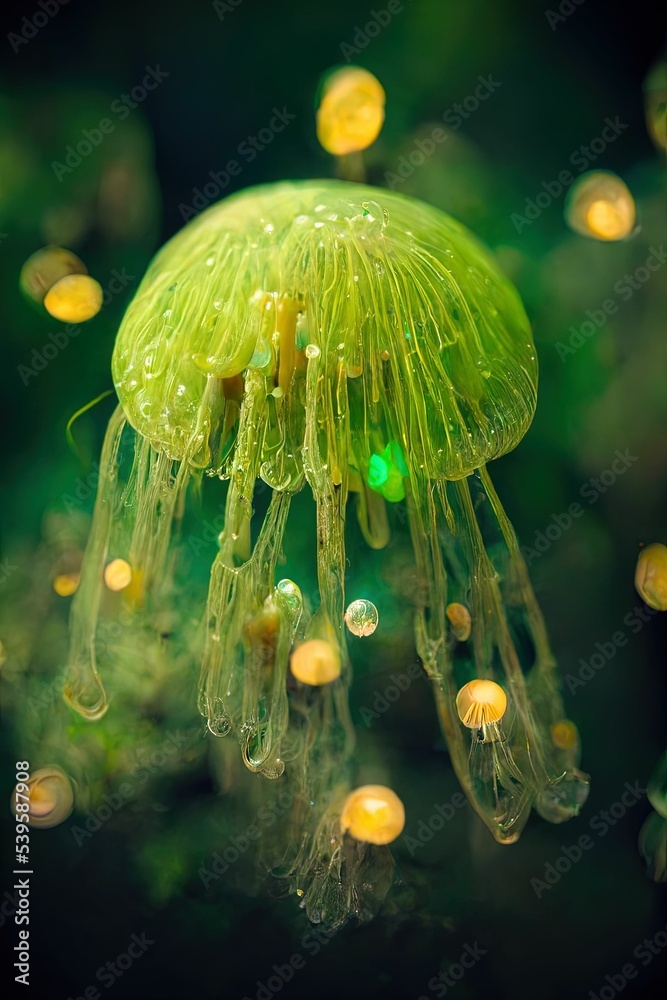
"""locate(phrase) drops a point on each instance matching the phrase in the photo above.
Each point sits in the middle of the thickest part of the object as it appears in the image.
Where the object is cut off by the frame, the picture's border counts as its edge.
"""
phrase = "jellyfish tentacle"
(84, 690)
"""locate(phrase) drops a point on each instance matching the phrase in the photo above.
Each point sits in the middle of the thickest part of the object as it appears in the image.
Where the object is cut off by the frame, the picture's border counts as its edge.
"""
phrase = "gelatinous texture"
(651, 576)
(600, 206)
(351, 112)
(50, 797)
(340, 340)
(359, 273)
(74, 299)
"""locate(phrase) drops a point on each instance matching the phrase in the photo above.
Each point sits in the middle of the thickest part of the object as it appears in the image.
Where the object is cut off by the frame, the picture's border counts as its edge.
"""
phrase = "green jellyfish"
(360, 345)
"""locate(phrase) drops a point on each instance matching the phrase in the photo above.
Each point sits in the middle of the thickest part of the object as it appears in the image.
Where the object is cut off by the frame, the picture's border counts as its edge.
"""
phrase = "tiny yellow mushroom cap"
(351, 112)
(315, 662)
(74, 299)
(117, 574)
(50, 798)
(600, 206)
(459, 619)
(651, 576)
(480, 702)
(374, 814)
(65, 584)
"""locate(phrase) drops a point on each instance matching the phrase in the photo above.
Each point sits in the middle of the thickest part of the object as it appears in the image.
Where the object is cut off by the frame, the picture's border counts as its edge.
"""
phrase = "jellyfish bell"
(599, 205)
(481, 703)
(50, 797)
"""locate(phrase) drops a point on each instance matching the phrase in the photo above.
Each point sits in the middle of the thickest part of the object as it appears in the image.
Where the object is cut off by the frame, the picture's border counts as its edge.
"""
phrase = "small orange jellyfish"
(351, 112)
(599, 205)
(459, 618)
(74, 299)
(651, 576)
(373, 814)
(118, 574)
(481, 702)
(315, 662)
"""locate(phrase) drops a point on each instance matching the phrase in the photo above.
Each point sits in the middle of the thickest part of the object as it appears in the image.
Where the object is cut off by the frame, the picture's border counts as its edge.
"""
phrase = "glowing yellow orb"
(480, 702)
(74, 299)
(651, 576)
(117, 574)
(65, 584)
(459, 619)
(600, 206)
(374, 814)
(50, 798)
(351, 113)
(315, 662)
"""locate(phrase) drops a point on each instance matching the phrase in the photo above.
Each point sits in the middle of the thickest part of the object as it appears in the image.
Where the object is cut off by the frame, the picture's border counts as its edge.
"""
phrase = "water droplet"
(312, 351)
(361, 617)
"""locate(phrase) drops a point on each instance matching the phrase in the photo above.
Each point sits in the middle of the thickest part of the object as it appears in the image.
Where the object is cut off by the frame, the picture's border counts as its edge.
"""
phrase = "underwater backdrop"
(332, 653)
